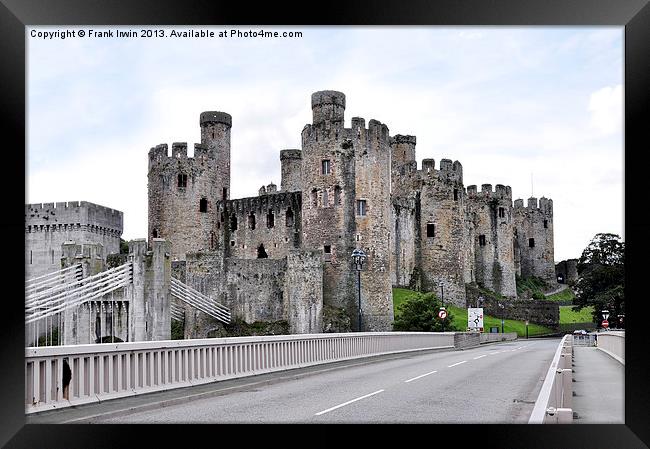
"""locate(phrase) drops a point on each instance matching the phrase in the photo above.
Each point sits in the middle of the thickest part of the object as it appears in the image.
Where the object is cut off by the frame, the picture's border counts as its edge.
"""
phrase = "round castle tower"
(441, 230)
(291, 169)
(183, 190)
(491, 215)
(345, 175)
(534, 238)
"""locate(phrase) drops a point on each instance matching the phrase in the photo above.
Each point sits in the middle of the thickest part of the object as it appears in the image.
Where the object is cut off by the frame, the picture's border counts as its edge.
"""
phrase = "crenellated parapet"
(501, 193)
(449, 172)
(73, 215)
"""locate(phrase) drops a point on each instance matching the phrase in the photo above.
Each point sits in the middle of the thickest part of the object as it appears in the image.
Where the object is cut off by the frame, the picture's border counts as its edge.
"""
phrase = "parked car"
(580, 332)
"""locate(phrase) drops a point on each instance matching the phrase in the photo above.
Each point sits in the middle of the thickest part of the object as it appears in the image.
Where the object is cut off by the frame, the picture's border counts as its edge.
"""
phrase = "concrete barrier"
(492, 337)
(613, 344)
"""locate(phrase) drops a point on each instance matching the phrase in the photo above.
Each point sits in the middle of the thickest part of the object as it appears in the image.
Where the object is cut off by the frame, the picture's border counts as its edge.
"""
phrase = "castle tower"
(492, 219)
(346, 205)
(183, 190)
(441, 230)
(291, 169)
(404, 241)
(534, 231)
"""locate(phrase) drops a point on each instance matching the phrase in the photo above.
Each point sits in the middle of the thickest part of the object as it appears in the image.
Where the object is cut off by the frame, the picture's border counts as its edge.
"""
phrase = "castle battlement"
(449, 171)
(290, 154)
(261, 203)
(500, 192)
(72, 212)
(544, 206)
(399, 138)
(215, 117)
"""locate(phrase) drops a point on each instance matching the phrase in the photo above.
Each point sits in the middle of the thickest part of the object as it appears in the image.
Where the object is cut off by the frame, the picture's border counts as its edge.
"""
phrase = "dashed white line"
(480, 356)
(418, 377)
(347, 403)
(457, 363)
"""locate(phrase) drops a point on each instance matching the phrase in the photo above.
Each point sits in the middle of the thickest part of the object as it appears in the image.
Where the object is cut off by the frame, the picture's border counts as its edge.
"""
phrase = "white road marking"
(349, 402)
(418, 377)
(457, 363)
(480, 356)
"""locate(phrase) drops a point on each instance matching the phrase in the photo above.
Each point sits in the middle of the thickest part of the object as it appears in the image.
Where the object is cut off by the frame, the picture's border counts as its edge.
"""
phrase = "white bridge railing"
(554, 403)
(108, 371)
(46, 302)
(199, 301)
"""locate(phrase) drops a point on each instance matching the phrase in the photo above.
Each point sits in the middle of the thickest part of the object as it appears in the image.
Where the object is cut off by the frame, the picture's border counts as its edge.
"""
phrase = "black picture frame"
(634, 15)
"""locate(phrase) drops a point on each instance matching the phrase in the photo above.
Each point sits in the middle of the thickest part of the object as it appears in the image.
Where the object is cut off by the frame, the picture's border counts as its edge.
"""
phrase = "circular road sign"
(442, 314)
(605, 324)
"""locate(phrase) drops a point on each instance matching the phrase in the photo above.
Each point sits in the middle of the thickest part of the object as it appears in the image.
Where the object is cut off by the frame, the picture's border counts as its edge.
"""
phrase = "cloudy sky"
(537, 108)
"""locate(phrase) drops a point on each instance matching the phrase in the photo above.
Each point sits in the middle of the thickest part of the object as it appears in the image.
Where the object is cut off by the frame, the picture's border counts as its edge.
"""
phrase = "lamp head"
(359, 257)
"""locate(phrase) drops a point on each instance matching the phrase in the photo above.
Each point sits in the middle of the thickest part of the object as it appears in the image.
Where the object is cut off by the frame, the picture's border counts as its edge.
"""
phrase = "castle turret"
(183, 190)
(291, 169)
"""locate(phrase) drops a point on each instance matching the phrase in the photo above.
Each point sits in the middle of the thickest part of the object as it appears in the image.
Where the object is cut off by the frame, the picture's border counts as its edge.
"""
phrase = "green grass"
(567, 315)
(460, 318)
(564, 295)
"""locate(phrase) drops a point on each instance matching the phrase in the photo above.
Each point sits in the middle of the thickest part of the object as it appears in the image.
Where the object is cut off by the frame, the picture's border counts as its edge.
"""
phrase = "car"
(580, 332)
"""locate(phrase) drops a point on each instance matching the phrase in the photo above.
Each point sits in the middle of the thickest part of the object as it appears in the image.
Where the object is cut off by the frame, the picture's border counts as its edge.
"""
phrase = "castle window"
(481, 240)
(232, 243)
(270, 219)
(251, 221)
(337, 196)
(531, 243)
(182, 180)
(31, 257)
(224, 193)
(325, 167)
(233, 222)
(325, 198)
(289, 217)
(502, 212)
(314, 197)
(362, 207)
(431, 230)
(261, 252)
(545, 224)
(327, 253)
(155, 233)
(455, 194)
(203, 205)
(212, 240)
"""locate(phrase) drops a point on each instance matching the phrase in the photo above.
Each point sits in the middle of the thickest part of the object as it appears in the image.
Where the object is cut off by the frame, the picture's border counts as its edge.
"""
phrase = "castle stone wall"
(269, 224)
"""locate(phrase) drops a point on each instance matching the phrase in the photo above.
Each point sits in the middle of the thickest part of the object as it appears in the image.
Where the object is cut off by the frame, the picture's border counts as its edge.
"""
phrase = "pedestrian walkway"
(599, 387)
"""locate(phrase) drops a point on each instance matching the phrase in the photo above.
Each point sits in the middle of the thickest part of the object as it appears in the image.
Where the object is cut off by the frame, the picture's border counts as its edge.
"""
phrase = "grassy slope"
(564, 295)
(460, 318)
(567, 315)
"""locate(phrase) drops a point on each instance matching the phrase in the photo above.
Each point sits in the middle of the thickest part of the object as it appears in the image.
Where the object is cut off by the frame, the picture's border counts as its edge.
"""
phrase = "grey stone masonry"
(49, 225)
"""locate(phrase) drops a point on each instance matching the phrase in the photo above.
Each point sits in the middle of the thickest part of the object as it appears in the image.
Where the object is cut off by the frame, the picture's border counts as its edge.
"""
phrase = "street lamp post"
(442, 299)
(502, 307)
(359, 257)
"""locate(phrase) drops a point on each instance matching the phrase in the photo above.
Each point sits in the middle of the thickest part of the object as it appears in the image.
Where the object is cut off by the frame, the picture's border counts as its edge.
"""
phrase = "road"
(497, 383)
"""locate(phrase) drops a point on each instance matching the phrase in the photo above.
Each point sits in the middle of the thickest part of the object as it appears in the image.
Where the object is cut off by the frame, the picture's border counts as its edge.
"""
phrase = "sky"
(539, 109)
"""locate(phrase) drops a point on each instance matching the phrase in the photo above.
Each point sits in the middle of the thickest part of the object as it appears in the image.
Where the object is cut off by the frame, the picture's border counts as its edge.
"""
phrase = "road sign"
(605, 324)
(475, 318)
(442, 314)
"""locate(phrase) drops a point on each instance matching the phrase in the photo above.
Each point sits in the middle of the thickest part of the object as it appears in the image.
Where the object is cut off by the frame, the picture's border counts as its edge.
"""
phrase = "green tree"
(124, 246)
(419, 313)
(601, 277)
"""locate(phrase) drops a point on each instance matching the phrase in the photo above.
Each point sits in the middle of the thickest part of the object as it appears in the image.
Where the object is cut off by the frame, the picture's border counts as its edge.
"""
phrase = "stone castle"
(285, 254)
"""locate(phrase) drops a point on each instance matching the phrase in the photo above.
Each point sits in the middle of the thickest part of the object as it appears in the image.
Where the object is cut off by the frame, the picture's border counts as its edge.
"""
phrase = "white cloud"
(606, 108)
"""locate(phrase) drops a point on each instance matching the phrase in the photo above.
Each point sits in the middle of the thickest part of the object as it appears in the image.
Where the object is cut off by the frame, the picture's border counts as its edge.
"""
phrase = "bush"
(419, 313)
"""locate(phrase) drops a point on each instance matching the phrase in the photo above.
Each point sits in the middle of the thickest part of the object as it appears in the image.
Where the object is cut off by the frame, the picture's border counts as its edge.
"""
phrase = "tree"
(601, 277)
(419, 313)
